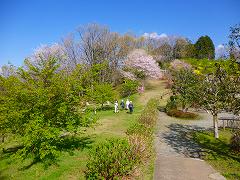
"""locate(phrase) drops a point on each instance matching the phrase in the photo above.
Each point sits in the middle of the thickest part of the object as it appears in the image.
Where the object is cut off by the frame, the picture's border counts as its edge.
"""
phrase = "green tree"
(129, 87)
(101, 93)
(205, 48)
(39, 104)
(217, 90)
(184, 86)
(190, 51)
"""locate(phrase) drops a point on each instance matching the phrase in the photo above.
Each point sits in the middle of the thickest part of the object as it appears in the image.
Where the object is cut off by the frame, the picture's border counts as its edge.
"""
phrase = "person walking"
(116, 106)
(122, 104)
(127, 104)
(130, 106)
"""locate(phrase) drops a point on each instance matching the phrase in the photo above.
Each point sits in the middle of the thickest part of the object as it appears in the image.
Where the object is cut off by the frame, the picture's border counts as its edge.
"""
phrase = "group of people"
(128, 106)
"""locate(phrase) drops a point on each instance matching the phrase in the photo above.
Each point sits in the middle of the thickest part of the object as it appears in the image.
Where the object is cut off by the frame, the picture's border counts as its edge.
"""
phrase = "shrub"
(150, 113)
(140, 134)
(140, 74)
(141, 146)
(139, 128)
(113, 158)
(235, 141)
(180, 114)
(172, 103)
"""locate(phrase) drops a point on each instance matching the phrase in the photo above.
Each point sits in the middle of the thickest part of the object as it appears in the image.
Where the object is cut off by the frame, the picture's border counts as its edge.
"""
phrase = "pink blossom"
(140, 60)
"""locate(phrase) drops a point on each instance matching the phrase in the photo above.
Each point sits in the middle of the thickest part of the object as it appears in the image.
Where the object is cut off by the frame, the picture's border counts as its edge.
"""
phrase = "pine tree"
(205, 48)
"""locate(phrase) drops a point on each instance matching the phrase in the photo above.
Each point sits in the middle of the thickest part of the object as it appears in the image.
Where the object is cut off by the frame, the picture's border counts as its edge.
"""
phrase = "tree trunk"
(215, 122)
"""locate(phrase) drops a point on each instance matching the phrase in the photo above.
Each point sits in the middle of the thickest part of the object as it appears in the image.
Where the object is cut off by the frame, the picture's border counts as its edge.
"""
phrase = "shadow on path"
(179, 139)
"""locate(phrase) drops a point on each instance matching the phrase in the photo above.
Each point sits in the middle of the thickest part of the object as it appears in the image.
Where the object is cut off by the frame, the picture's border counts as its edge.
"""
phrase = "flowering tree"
(177, 65)
(139, 60)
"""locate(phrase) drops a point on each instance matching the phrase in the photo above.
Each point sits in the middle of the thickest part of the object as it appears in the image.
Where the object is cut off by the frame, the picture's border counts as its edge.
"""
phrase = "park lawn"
(218, 153)
(71, 165)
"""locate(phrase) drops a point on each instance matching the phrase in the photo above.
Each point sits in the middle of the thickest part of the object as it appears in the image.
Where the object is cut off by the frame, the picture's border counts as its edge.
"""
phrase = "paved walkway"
(178, 158)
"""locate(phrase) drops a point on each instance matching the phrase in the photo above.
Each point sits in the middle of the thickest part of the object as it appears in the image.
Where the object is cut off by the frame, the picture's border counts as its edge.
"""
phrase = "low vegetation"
(180, 114)
(114, 158)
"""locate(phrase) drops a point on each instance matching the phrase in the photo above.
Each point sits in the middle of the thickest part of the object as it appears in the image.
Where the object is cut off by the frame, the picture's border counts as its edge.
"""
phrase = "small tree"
(140, 60)
(213, 92)
(214, 88)
(38, 105)
(101, 93)
(184, 86)
(129, 87)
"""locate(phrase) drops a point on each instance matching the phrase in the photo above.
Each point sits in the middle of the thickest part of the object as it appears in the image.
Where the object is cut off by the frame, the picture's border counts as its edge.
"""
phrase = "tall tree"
(234, 42)
(205, 48)
(179, 49)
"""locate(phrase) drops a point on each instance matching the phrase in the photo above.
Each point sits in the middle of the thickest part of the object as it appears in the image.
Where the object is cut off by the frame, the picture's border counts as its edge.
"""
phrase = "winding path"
(177, 157)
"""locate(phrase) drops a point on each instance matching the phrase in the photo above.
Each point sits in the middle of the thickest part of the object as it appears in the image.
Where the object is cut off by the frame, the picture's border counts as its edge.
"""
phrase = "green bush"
(140, 134)
(128, 88)
(139, 128)
(140, 74)
(172, 103)
(180, 114)
(235, 141)
(149, 115)
(111, 159)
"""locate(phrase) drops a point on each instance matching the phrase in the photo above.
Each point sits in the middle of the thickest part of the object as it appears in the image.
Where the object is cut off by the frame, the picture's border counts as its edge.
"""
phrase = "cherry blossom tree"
(139, 60)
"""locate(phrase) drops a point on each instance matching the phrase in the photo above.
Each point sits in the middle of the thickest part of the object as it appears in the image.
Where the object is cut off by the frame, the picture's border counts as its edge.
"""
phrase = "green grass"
(218, 152)
(72, 165)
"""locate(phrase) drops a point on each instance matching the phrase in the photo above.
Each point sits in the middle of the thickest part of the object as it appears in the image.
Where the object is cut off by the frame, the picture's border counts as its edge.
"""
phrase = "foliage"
(128, 87)
(150, 113)
(218, 152)
(185, 84)
(140, 134)
(111, 159)
(190, 51)
(181, 114)
(140, 74)
(213, 86)
(139, 128)
(205, 48)
(42, 104)
(172, 103)
(235, 141)
(101, 93)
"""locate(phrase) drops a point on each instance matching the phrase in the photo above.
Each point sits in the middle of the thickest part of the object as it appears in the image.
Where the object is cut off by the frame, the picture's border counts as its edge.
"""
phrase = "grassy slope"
(219, 154)
(72, 165)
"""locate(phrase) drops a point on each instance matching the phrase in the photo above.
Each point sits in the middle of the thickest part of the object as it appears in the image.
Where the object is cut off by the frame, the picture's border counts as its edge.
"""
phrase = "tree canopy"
(205, 48)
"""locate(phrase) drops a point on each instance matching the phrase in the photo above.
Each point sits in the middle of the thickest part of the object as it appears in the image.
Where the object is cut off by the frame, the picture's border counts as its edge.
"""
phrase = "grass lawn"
(71, 165)
(219, 154)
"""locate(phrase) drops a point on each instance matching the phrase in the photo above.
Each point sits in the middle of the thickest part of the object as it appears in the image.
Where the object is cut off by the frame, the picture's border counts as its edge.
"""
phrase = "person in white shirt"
(116, 106)
(127, 104)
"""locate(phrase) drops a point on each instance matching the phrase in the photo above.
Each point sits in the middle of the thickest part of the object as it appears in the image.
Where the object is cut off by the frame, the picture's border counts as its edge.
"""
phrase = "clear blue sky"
(26, 24)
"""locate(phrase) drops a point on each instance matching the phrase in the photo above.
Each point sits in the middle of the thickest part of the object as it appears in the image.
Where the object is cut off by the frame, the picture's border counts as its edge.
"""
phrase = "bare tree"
(72, 50)
(234, 42)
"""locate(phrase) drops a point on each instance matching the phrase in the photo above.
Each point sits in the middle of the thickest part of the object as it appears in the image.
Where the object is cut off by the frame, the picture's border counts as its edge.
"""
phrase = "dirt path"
(178, 158)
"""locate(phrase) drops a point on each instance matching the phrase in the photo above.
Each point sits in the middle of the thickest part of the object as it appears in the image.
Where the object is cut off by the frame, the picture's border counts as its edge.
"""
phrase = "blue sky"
(26, 24)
